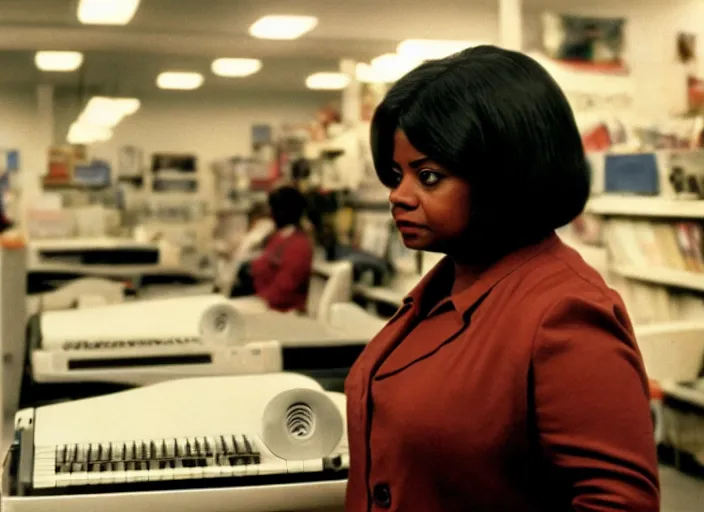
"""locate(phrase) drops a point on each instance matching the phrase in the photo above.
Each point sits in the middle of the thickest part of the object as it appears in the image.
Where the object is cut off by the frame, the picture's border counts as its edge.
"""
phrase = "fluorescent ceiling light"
(104, 111)
(424, 49)
(107, 12)
(178, 80)
(58, 61)
(282, 27)
(236, 67)
(392, 66)
(84, 133)
(328, 81)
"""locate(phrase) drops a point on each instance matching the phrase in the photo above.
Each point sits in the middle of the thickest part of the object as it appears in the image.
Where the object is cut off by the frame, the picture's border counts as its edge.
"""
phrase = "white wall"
(651, 30)
(25, 126)
(210, 126)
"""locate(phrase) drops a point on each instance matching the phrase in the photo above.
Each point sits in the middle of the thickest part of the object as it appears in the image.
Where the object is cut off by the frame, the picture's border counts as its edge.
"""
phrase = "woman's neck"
(465, 276)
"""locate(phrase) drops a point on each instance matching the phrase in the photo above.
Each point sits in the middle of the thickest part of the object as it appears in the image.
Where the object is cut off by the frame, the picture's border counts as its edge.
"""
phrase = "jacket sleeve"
(296, 263)
(592, 407)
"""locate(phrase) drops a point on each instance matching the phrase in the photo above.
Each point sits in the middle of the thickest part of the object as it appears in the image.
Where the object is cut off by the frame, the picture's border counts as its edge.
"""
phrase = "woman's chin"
(417, 243)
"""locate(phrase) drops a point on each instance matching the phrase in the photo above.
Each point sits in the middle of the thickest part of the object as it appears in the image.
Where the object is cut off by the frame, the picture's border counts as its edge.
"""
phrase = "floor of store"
(680, 492)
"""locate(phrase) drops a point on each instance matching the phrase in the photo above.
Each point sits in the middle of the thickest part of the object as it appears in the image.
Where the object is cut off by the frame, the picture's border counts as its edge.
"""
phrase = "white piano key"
(63, 479)
(268, 468)
(180, 473)
(225, 468)
(312, 465)
(131, 474)
(142, 472)
(94, 475)
(155, 473)
(292, 466)
(211, 470)
(79, 478)
(119, 474)
(108, 477)
(44, 482)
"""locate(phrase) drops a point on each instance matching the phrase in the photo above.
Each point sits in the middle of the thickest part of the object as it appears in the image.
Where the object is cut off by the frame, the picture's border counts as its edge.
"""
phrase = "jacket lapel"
(452, 324)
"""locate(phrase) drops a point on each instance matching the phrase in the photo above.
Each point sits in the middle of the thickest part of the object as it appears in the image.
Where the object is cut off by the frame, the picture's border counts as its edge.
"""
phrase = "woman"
(281, 274)
(260, 227)
(509, 380)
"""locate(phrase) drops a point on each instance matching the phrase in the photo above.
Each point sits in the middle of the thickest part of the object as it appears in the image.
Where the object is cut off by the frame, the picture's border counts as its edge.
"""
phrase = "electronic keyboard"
(261, 443)
(144, 342)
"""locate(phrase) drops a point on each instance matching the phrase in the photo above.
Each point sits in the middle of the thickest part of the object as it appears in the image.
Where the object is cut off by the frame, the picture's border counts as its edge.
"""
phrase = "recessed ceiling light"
(424, 49)
(58, 61)
(236, 67)
(107, 12)
(179, 80)
(282, 26)
(327, 81)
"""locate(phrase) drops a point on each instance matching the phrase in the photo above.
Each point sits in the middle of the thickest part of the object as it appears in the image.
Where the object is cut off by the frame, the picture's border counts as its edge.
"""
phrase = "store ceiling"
(189, 34)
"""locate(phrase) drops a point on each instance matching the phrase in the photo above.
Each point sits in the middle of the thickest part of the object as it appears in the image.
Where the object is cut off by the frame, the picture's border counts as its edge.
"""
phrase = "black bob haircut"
(496, 118)
(287, 206)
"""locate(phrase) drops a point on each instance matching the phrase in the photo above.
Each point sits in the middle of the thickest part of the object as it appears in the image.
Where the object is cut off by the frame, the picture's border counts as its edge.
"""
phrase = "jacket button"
(382, 495)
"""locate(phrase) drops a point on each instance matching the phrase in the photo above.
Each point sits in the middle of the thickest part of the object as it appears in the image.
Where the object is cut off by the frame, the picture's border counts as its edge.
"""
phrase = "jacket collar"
(466, 300)
(465, 303)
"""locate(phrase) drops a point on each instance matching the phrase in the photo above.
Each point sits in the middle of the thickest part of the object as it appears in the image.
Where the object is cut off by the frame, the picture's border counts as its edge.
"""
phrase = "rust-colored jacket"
(526, 392)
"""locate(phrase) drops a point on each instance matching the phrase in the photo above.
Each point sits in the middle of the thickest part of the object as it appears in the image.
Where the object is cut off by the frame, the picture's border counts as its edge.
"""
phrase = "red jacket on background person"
(282, 272)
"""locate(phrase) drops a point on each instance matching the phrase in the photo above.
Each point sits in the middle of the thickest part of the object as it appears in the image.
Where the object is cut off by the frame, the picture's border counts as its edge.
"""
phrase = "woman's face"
(430, 205)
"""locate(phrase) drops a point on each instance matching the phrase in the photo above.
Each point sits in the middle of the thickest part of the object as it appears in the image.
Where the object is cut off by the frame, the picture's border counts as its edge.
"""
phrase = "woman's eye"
(428, 177)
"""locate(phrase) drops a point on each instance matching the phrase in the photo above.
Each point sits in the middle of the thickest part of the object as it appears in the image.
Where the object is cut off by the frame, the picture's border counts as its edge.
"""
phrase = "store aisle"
(680, 493)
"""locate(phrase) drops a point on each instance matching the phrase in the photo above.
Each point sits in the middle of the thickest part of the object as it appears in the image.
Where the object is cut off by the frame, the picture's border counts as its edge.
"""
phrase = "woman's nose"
(404, 195)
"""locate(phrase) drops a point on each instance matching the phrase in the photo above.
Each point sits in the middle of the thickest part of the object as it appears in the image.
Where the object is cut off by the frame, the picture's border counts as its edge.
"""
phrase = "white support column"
(351, 95)
(511, 24)
(34, 164)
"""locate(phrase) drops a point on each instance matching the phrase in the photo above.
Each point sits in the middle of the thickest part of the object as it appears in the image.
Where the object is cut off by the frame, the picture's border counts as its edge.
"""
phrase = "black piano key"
(130, 449)
(239, 448)
(198, 447)
(209, 448)
(138, 453)
(117, 451)
(61, 454)
(92, 454)
(188, 448)
(106, 452)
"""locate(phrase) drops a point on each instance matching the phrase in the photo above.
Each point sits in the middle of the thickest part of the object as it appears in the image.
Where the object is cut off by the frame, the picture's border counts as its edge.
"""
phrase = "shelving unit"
(641, 232)
(645, 207)
(663, 276)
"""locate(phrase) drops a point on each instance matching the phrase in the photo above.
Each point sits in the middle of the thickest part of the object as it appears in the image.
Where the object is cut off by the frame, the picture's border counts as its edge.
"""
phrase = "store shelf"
(663, 276)
(645, 206)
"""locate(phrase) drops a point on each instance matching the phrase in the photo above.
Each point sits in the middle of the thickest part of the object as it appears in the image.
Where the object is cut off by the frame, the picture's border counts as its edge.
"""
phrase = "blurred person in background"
(510, 378)
(281, 274)
(260, 227)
